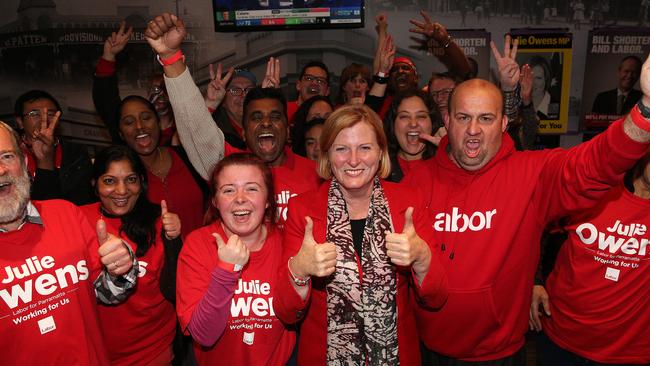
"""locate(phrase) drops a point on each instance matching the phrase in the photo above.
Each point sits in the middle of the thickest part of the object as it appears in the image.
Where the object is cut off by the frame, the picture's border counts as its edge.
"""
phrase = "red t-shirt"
(292, 107)
(599, 290)
(179, 189)
(141, 328)
(295, 176)
(253, 334)
(48, 308)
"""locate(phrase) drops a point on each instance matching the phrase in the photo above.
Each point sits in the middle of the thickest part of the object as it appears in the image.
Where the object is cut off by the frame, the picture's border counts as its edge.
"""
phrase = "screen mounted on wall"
(260, 15)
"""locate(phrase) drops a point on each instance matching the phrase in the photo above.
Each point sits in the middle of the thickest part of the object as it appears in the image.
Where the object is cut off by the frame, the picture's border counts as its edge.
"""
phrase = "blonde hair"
(345, 117)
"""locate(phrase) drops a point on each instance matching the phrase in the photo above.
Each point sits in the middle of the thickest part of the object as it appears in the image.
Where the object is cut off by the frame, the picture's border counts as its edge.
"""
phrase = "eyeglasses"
(441, 92)
(35, 114)
(238, 92)
(156, 89)
(314, 79)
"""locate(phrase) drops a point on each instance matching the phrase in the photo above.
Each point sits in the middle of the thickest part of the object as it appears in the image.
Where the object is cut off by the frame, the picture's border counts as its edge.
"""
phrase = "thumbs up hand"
(232, 252)
(171, 223)
(407, 248)
(113, 252)
(313, 259)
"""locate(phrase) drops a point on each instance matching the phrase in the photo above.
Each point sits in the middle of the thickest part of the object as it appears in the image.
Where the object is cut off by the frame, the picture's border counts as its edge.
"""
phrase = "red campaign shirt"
(295, 176)
(292, 107)
(48, 308)
(599, 290)
(417, 174)
(141, 328)
(180, 191)
(491, 220)
(312, 348)
(253, 334)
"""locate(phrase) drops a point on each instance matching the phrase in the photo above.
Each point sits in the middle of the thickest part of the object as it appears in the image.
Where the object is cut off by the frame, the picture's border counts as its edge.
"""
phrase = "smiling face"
(475, 124)
(158, 96)
(412, 120)
(119, 188)
(241, 199)
(354, 157)
(139, 127)
(265, 130)
(14, 180)
(628, 74)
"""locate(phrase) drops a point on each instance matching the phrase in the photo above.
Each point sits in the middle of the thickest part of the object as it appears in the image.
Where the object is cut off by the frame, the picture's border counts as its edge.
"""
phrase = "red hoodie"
(488, 225)
(598, 290)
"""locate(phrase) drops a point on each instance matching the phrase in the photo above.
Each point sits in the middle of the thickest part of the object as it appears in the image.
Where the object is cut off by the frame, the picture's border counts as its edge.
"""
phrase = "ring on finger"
(116, 265)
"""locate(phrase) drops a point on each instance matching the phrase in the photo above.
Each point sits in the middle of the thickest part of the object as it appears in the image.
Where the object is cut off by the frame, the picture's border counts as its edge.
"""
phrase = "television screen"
(260, 15)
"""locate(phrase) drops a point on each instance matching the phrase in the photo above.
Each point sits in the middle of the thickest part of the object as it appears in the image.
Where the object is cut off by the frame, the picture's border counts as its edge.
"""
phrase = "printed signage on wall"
(612, 71)
(548, 53)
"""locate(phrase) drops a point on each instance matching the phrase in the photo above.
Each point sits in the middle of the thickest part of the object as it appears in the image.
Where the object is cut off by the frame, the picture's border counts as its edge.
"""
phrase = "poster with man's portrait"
(612, 71)
(548, 53)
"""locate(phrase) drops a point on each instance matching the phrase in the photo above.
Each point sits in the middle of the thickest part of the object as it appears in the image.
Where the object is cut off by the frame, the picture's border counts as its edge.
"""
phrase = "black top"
(357, 234)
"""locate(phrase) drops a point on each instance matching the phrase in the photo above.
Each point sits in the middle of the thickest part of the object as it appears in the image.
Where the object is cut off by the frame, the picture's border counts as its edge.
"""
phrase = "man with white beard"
(50, 253)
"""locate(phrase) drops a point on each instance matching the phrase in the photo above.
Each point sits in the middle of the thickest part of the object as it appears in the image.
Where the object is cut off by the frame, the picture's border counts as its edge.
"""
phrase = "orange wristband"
(172, 59)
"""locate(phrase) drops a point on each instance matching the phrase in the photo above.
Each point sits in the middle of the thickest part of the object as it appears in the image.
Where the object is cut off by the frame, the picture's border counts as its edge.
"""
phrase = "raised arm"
(509, 75)
(453, 57)
(202, 140)
(106, 94)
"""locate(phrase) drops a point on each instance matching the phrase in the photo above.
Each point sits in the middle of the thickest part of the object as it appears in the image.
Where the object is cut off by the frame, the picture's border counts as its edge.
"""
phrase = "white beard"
(13, 207)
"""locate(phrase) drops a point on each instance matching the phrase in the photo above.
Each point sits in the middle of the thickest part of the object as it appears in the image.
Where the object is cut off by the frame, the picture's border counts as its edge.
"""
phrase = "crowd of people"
(391, 225)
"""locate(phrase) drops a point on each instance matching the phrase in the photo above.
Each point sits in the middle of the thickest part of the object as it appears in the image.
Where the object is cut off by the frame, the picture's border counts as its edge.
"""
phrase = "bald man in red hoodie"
(490, 205)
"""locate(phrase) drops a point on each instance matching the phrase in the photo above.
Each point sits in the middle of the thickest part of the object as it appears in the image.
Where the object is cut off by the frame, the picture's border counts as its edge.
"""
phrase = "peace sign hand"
(43, 139)
(217, 88)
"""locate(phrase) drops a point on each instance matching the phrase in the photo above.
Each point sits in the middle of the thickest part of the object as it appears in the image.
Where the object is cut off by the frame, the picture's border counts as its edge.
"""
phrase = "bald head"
(476, 87)
(475, 124)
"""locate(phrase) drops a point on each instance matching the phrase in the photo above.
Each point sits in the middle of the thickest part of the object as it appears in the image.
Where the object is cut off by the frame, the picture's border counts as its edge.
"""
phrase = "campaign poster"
(476, 45)
(548, 53)
(612, 71)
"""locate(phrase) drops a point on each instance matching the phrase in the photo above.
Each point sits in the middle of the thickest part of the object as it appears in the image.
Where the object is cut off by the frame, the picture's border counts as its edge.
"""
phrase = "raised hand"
(217, 88)
(386, 55)
(429, 29)
(232, 252)
(540, 296)
(116, 42)
(436, 137)
(272, 74)
(313, 259)
(526, 84)
(165, 33)
(43, 140)
(506, 63)
(407, 248)
(112, 251)
(171, 223)
(381, 21)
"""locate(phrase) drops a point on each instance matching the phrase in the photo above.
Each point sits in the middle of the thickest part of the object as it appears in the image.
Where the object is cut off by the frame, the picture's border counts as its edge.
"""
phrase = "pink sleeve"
(211, 314)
